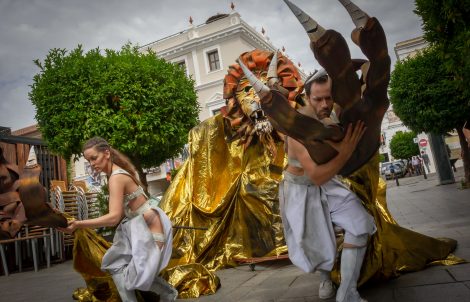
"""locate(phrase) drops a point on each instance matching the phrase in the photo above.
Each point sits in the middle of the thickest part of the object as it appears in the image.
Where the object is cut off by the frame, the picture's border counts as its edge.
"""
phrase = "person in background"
(416, 165)
(425, 158)
(451, 160)
(466, 132)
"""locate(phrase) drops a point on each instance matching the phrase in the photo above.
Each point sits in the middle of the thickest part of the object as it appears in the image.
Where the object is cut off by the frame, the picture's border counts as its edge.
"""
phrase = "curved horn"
(358, 16)
(32, 158)
(313, 29)
(260, 88)
(272, 70)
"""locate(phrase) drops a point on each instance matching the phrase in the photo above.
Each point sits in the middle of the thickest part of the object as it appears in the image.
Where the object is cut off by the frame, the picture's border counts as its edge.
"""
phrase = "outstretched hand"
(352, 137)
(72, 226)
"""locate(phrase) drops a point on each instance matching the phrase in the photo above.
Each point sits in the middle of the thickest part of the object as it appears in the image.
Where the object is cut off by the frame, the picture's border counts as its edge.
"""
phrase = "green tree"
(143, 105)
(402, 145)
(424, 97)
(446, 24)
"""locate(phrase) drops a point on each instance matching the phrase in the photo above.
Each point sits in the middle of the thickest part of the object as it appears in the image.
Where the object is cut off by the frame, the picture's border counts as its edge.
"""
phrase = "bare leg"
(154, 223)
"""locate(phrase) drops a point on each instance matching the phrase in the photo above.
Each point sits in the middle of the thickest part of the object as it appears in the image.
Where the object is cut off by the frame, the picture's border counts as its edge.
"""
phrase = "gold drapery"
(88, 251)
(228, 190)
(392, 250)
(233, 193)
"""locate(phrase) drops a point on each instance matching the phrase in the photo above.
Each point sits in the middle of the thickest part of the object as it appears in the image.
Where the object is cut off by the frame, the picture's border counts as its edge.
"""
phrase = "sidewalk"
(418, 204)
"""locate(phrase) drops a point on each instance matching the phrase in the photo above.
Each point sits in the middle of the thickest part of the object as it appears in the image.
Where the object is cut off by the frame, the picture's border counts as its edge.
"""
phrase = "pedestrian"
(142, 243)
(409, 167)
(314, 202)
(416, 165)
(452, 161)
(425, 158)
(466, 132)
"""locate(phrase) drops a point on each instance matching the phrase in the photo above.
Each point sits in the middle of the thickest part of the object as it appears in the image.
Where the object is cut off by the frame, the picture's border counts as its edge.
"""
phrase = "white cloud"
(31, 28)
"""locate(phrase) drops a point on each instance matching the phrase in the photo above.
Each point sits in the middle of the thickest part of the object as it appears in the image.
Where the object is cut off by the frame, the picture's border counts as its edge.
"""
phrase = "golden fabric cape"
(231, 191)
(392, 250)
(88, 250)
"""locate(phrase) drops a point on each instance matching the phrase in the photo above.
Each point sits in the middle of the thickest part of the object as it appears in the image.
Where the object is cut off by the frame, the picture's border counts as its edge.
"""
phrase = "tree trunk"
(465, 156)
(441, 159)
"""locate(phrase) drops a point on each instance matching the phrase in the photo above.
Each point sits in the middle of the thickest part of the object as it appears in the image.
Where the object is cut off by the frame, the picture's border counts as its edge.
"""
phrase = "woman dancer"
(143, 240)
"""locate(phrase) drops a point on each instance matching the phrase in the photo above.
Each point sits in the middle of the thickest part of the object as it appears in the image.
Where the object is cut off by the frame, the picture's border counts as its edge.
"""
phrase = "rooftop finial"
(283, 49)
(191, 20)
(232, 6)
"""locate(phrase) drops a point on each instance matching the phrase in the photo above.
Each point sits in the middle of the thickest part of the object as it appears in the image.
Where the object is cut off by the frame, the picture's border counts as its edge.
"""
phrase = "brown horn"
(313, 29)
(358, 16)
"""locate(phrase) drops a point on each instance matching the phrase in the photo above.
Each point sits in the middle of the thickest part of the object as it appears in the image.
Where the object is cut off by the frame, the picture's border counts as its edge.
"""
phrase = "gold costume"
(392, 250)
(232, 192)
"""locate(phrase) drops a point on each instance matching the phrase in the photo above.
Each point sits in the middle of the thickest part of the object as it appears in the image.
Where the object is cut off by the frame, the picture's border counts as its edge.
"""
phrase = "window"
(213, 58)
(182, 64)
(216, 111)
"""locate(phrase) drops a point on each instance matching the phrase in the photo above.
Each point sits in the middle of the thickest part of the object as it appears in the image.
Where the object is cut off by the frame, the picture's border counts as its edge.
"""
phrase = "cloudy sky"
(29, 28)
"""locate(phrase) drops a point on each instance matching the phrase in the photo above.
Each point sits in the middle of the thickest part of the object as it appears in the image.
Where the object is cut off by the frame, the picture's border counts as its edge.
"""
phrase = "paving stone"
(293, 300)
(382, 293)
(463, 252)
(300, 292)
(264, 294)
(467, 284)
(460, 272)
(431, 275)
(452, 292)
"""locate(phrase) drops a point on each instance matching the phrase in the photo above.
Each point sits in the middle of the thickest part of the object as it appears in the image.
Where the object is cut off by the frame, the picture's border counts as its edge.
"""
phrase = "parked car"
(392, 168)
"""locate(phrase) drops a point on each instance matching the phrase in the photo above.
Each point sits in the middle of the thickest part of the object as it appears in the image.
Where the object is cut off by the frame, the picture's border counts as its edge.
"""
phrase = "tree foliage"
(402, 145)
(423, 95)
(446, 24)
(143, 105)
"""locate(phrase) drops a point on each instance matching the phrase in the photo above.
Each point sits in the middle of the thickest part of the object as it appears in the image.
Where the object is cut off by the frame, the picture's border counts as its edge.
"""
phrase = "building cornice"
(215, 100)
(210, 84)
(241, 28)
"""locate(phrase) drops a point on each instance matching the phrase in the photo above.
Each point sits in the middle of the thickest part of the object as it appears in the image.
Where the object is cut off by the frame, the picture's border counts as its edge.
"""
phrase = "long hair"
(101, 145)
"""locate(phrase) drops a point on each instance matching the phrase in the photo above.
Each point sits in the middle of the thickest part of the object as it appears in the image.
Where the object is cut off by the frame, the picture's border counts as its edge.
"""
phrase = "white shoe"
(353, 296)
(326, 289)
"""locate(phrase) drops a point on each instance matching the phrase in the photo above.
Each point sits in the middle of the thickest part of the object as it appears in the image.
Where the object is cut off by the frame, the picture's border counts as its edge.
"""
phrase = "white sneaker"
(354, 297)
(326, 290)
